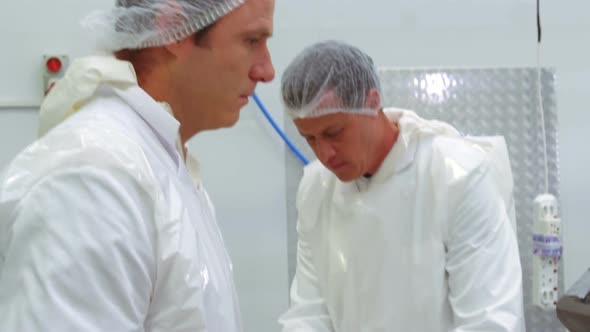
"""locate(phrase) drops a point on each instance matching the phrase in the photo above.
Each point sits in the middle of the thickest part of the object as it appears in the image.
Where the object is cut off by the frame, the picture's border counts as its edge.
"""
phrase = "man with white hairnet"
(404, 224)
(104, 222)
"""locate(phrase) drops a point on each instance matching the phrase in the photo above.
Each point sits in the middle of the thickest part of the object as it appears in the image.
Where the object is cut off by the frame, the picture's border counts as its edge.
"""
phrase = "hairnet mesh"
(329, 77)
(136, 24)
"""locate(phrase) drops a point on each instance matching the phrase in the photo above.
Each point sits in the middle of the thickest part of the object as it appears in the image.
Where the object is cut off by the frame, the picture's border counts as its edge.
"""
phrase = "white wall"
(25, 37)
(402, 33)
(244, 172)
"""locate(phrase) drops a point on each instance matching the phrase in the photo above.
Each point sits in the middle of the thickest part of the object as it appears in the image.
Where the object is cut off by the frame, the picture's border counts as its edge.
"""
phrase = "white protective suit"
(102, 227)
(425, 245)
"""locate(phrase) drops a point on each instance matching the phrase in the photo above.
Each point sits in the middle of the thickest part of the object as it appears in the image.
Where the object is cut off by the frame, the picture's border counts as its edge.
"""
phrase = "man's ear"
(373, 100)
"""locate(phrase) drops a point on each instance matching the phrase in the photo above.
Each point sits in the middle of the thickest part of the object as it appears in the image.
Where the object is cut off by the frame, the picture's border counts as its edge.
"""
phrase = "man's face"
(343, 142)
(214, 77)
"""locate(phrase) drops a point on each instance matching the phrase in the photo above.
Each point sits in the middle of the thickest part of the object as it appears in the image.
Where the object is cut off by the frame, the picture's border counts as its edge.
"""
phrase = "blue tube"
(279, 131)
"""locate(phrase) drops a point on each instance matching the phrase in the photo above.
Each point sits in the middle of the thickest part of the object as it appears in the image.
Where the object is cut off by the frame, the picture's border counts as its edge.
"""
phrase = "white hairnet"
(329, 77)
(136, 24)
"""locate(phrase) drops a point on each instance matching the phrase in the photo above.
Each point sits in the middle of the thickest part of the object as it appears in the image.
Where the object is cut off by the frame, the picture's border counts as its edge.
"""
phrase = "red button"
(53, 64)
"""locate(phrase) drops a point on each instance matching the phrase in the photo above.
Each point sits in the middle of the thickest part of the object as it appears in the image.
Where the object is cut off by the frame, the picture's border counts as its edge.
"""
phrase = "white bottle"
(547, 251)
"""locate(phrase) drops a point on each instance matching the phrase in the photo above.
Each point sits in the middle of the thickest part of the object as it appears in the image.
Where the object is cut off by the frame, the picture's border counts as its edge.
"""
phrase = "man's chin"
(234, 117)
(346, 176)
(230, 120)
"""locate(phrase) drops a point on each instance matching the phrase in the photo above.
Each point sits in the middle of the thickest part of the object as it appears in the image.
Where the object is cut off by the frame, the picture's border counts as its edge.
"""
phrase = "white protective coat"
(103, 227)
(426, 245)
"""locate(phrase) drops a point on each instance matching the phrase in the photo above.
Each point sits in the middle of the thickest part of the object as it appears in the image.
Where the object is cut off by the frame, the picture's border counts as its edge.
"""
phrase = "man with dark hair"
(104, 222)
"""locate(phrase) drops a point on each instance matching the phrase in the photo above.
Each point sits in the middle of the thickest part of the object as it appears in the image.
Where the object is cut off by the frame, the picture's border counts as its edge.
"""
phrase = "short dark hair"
(201, 35)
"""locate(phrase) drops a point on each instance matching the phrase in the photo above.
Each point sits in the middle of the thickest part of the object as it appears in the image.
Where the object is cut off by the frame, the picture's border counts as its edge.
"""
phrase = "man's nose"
(324, 150)
(263, 71)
